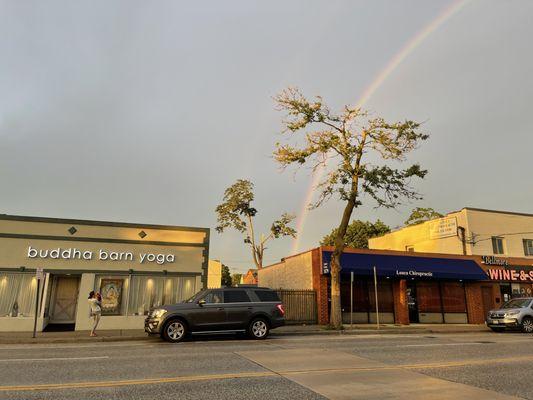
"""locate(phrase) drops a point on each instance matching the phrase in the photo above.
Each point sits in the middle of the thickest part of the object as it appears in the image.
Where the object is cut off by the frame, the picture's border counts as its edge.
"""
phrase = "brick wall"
(320, 285)
(292, 273)
(401, 309)
(474, 303)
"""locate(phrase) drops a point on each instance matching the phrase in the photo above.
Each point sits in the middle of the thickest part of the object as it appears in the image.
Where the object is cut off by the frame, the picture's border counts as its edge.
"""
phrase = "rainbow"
(380, 78)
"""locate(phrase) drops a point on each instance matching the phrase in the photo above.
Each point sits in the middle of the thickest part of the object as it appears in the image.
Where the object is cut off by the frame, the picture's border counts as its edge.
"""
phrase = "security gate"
(300, 306)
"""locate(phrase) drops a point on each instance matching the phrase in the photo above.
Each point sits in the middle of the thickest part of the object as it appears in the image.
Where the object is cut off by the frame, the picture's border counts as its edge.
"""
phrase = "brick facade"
(303, 271)
(320, 285)
(474, 303)
(401, 309)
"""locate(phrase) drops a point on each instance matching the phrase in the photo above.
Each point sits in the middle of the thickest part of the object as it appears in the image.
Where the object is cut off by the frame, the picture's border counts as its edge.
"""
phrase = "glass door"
(412, 303)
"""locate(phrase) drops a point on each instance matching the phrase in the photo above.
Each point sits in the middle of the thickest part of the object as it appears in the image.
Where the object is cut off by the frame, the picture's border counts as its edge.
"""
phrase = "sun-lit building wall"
(134, 267)
(486, 232)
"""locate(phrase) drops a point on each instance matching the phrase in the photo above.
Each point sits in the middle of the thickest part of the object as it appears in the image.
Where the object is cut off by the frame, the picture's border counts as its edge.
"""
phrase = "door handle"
(220, 308)
(250, 308)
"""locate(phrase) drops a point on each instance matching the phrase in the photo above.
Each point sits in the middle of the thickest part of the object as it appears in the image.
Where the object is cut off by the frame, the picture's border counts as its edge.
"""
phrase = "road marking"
(412, 366)
(192, 378)
(148, 381)
(52, 359)
(441, 344)
(469, 362)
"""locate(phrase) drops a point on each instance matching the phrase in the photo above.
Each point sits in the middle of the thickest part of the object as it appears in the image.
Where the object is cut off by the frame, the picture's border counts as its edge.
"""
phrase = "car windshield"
(517, 303)
(196, 296)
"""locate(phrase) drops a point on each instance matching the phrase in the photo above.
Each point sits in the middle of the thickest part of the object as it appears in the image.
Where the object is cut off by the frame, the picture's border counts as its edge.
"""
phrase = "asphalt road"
(229, 368)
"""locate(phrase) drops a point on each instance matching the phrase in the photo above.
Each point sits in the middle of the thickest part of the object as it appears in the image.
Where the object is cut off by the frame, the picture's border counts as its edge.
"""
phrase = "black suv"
(254, 310)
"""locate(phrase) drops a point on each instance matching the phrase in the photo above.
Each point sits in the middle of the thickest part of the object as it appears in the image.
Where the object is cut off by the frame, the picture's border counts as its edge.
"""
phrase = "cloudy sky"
(145, 111)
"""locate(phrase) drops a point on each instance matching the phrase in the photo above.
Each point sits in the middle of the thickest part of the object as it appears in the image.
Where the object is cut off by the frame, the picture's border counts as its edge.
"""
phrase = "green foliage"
(226, 276)
(357, 234)
(421, 214)
(235, 279)
(236, 211)
(344, 142)
(236, 206)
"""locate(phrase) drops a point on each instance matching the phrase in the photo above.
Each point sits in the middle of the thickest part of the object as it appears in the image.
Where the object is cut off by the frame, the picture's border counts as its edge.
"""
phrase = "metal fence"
(300, 306)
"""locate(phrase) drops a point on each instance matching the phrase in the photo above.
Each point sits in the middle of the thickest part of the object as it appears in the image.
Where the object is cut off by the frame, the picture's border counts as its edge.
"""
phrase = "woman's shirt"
(95, 306)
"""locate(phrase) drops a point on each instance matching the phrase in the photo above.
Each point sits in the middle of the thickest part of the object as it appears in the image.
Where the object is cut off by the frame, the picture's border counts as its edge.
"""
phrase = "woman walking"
(95, 310)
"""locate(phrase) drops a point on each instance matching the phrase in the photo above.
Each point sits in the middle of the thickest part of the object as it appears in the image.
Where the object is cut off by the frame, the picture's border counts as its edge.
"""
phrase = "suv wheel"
(527, 325)
(174, 331)
(258, 329)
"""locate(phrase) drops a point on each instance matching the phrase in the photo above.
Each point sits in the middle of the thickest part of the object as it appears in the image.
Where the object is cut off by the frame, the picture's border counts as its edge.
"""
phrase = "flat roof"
(494, 211)
(51, 220)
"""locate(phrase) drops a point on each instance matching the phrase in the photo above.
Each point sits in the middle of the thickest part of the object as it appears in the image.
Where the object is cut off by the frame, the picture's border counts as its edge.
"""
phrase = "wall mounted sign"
(325, 268)
(100, 255)
(412, 274)
(491, 260)
(517, 275)
(443, 227)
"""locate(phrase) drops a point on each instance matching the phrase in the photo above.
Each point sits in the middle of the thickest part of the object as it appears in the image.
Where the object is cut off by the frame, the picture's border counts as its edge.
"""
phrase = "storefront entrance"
(64, 299)
(412, 303)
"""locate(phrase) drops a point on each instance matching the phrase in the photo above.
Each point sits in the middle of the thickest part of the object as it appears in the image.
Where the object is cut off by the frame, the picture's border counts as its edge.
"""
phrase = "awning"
(406, 267)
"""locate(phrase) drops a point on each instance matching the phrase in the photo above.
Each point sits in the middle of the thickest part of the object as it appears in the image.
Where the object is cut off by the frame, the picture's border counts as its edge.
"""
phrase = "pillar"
(320, 286)
(401, 308)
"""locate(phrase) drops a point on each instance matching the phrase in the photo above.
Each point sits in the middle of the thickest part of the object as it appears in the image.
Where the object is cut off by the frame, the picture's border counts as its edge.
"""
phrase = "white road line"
(53, 359)
(441, 344)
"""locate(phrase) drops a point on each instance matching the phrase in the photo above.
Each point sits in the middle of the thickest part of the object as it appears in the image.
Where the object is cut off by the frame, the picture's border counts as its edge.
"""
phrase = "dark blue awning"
(406, 266)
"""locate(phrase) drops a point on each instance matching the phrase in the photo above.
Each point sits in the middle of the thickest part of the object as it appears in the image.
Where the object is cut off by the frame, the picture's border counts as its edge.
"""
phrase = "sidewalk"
(138, 334)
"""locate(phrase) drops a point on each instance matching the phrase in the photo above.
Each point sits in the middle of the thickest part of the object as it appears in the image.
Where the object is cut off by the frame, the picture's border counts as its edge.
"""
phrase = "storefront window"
(147, 292)
(428, 297)
(453, 297)
(385, 296)
(521, 290)
(17, 294)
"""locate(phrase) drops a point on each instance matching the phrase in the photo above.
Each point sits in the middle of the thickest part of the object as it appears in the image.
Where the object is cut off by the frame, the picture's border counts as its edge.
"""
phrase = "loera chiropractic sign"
(72, 253)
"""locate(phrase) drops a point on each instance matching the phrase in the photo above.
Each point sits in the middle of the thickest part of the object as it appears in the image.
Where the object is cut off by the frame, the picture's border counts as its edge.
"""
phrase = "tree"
(421, 214)
(361, 154)
(236, 212)
(226, 276)
(235, 279)
(357, 234)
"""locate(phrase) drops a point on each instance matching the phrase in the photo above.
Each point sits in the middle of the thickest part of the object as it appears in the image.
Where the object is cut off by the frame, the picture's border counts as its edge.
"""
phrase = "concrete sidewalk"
(138, 334)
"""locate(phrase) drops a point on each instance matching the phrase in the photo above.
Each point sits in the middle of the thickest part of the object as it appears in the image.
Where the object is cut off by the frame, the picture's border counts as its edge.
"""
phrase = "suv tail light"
(281, 309)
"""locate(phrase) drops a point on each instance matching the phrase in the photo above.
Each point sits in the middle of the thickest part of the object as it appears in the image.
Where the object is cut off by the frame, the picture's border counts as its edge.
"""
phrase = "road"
(440, 366)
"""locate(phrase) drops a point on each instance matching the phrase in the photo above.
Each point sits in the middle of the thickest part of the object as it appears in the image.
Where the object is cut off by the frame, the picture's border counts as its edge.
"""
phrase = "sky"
(145, 112)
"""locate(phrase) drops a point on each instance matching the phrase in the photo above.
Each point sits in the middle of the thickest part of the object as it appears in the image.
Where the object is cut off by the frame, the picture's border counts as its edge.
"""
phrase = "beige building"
(134, 266)
(470, 231)
(214, 274)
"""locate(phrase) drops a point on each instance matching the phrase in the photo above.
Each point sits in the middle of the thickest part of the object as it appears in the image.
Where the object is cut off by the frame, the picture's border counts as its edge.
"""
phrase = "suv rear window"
(267, 295)
(236, 296)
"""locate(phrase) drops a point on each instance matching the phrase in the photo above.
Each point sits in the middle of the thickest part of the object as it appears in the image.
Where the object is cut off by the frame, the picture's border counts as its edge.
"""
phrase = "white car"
(515, 313)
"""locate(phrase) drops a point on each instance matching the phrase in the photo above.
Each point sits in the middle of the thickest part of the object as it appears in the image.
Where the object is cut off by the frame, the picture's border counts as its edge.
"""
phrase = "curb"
(346, 332)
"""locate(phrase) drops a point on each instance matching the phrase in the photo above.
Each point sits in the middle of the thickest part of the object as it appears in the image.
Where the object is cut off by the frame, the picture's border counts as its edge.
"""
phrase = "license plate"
(495, 322)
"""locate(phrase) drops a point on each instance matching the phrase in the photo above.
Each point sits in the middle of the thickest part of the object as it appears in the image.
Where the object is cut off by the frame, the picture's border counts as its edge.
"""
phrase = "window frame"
(211, 292)
(226, 292)
(528, 250)
(495, 249)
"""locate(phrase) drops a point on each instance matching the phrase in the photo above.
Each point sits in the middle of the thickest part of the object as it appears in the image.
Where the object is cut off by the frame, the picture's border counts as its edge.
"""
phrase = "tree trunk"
(335, 319)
